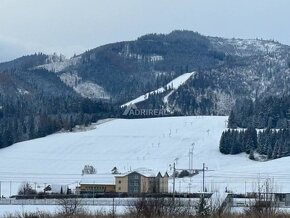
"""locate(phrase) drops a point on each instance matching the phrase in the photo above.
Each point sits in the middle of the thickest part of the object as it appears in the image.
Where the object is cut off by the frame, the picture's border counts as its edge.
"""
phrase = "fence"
(83, 201)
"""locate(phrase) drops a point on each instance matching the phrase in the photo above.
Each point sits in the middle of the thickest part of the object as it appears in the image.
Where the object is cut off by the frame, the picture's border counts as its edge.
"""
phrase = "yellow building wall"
(97, 187)
(164, 185)
(122, 184)
(145, 184)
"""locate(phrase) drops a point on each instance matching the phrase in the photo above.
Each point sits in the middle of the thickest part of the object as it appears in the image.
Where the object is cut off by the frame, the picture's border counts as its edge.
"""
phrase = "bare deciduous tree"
(70, 207)
(26, 189)
(159, 207)
(264, 204)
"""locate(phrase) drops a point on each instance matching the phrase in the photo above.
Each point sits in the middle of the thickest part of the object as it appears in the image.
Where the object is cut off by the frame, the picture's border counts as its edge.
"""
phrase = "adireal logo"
(130, 108)
(133, 110)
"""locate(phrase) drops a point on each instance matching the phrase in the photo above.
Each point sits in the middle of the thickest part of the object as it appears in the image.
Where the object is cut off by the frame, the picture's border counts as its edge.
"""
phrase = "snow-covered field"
(142, 143)
(6, 210)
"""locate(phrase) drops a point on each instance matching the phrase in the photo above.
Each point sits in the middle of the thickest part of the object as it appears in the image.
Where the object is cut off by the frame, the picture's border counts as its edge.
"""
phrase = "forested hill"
(225, 70)
(35, 103)
(40, 94)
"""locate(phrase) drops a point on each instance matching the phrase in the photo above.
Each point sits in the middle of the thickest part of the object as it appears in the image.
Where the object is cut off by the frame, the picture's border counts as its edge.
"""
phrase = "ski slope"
(174, 84)
(141, 143)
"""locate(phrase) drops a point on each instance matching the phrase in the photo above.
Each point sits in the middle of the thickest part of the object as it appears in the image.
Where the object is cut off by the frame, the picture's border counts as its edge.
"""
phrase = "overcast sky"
(73, 26)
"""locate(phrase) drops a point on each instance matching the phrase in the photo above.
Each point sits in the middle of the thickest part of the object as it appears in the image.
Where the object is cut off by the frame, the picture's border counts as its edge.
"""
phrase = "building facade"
(138, 183)
(88, 188)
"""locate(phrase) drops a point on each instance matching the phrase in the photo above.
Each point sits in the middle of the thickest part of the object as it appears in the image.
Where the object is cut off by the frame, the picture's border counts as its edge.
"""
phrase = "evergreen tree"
(236, 146)
(251, 156)
(269, 152)
(232, 121)
(226, 142)
(250, 139)
(275, 150)
(223, 146)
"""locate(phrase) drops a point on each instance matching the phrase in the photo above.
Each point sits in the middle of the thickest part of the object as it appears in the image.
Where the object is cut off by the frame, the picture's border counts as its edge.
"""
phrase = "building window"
(119, 181)
(119, 188)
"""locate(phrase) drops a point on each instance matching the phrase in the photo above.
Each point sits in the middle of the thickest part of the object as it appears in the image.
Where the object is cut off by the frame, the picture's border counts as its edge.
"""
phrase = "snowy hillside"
(87, 89)
(245, 47)
(174, 84)
(57, 64)
(141, 143)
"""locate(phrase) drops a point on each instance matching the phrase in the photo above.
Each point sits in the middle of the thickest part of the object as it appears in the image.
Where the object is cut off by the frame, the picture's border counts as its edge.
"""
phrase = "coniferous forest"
(43, 105)
(269, 112)
(267, 144)
(260, 128)
(24, 119)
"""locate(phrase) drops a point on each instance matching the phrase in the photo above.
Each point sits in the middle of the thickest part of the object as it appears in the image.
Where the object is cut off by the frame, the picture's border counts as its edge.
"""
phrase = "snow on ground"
(165, 99)
(245, 47)
(95, 206)
(91, 90)
(177, 82)
(59, 65)
(22, 91)
(86, 89)
(139, 143)
(6, 210)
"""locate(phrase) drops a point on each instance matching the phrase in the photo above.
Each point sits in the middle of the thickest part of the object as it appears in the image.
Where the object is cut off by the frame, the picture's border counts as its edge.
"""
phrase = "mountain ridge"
(226, 69)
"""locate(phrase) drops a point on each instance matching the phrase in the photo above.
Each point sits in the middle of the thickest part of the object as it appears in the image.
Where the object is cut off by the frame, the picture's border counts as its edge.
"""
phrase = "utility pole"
(93, 193)
(245, 192)
(189, 159)
(113, 207)
(190, 154)
(173, 182)
(10, 188)
(203, 176)
(174, 170)
(204, 168)
(10, 191)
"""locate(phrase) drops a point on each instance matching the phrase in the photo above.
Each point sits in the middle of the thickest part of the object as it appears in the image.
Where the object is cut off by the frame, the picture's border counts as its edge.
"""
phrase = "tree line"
(23, 119)
(268, 143)
(269, 112)
(35, 103)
